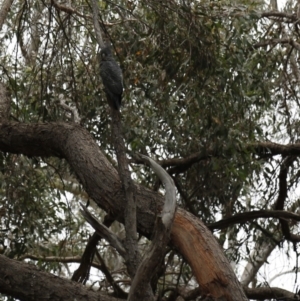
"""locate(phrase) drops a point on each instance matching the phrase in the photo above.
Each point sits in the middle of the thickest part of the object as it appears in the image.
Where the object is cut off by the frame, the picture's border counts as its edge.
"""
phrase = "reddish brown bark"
(203, 253)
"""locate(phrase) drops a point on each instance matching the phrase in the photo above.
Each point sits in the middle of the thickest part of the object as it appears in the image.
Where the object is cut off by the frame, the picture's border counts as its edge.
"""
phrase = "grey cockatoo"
(112, 78)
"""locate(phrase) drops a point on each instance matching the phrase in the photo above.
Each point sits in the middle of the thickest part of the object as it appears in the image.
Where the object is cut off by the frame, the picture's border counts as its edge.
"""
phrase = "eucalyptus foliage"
(198, 80)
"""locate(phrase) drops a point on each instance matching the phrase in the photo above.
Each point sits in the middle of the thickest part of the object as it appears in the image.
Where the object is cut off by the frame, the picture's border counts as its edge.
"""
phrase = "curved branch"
(263, 293)
(156, 252)
(26, 282)
(72, 109)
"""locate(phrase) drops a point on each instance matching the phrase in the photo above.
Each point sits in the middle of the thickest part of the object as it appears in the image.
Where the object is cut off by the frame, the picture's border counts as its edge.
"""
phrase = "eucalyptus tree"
(210, 93)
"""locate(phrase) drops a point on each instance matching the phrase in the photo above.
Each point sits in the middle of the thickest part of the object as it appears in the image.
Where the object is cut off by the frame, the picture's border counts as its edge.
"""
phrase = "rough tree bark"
(38, 285)
(101, 181)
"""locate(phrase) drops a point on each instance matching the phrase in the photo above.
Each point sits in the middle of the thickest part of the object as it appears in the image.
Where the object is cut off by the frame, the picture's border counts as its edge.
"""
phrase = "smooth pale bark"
(258, 257)
(101, 181)
(154, 255)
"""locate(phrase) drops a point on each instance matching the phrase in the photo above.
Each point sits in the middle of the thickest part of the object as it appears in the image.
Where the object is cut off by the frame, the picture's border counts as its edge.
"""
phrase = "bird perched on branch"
(112, 78)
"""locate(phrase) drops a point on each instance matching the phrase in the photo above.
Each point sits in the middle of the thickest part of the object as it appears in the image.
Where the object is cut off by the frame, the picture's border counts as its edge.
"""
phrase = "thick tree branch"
(263, 293)
(82, 273)
(100, 180)
(27, 282)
